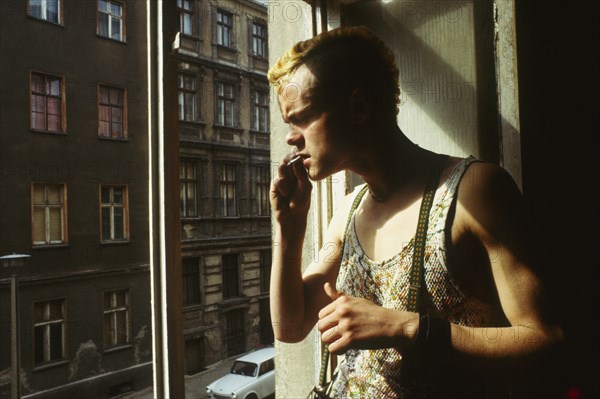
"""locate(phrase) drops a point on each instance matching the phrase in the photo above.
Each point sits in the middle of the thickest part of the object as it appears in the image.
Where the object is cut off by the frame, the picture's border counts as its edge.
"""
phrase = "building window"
(186, 17)
(265, 270)
(225, 104)
(224, 28)
(231, 276)
(47, 102)
(259, 40)
(188, 189)
(49, 209)
(192, 282)
(48, 10)
(187, 98)
(111, 21)
(49, 331)
(114, 213)
(116, 318)
(263, 183)
(260, 114)
(112, 112)
(228, 194)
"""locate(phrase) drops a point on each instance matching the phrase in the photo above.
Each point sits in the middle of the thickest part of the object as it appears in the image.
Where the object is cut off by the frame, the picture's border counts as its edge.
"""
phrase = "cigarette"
(294, 160)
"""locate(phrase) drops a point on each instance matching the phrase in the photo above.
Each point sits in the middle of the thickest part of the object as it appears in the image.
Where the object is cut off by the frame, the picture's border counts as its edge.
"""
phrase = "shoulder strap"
(325, 354)
(418, 261)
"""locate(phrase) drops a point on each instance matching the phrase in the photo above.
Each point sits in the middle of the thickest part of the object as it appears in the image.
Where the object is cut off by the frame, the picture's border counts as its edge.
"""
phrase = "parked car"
(252, 376)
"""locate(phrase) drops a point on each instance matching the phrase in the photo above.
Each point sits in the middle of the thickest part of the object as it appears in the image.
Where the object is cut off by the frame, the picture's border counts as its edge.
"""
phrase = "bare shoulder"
(489, 201)
(342, 213)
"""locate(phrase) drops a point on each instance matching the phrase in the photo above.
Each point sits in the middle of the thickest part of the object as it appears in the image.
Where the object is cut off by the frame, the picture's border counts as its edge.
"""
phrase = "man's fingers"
(331, 292)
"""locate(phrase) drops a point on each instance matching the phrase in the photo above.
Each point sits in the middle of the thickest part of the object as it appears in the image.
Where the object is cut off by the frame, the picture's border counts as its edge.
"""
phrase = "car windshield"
(244, 368)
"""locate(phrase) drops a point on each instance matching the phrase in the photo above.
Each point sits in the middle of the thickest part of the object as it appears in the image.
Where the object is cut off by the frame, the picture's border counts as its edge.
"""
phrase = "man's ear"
(359, 107)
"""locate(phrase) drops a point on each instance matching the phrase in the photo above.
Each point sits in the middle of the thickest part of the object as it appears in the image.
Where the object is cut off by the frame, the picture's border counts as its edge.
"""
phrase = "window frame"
(221, 119)
(184, 181)
(199, 270)
(260, 104)
(263, 187)
(46, 333)
(224, 28)
(64, 216)
(61, 97)
(182, 12)
(125, 206)
(224, 184)
(60, 15)
(259, 41)
(181, 89)
(265, 264)
(123, 25)
(124, 124)
(113, 310)
(231, 292)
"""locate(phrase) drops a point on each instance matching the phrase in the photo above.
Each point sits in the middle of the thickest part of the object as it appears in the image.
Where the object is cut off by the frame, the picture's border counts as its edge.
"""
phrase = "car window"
(267, 366)
(244, 368)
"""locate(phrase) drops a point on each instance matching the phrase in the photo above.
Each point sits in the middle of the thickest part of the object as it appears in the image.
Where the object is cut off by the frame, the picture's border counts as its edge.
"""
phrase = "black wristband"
(433, 337)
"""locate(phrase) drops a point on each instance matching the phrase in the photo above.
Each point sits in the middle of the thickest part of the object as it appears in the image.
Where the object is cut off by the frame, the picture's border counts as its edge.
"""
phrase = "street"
(195, 385)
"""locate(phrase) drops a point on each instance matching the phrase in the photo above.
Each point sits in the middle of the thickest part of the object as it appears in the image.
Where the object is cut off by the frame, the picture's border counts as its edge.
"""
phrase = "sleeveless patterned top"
(376, 373)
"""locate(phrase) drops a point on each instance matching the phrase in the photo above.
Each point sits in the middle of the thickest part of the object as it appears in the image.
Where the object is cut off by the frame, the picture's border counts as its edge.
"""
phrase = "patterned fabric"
(376, 373)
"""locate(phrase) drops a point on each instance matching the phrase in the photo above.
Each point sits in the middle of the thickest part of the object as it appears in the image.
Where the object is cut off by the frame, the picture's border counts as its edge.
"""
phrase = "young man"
(480, 301)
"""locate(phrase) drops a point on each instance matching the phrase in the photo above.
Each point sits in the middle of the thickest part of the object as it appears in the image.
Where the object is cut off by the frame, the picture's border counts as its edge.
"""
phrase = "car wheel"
(251, 396)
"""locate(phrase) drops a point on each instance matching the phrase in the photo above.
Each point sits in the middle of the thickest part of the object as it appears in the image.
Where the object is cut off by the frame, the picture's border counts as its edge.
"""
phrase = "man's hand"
(356, 323)
(290, 193)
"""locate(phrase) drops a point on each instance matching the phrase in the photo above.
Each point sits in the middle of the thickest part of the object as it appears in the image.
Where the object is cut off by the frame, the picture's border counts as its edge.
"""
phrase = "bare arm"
(296, 299)
(489, 208)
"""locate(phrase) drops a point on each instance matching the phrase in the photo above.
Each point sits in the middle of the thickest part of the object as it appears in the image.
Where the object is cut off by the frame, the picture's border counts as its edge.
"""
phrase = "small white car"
(252, 376)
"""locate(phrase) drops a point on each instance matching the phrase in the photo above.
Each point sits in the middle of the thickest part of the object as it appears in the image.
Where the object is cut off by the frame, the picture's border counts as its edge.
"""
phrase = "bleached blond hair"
(342, 60)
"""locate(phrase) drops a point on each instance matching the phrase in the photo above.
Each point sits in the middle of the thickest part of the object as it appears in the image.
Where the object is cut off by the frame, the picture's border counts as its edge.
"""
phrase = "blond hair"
(341, 60)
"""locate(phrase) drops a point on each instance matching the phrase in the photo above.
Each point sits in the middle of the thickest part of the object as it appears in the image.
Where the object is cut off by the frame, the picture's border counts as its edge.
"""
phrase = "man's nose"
(293, 137)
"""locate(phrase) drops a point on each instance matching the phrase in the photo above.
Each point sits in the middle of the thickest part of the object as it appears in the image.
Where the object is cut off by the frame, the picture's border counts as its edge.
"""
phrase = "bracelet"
(433, 337)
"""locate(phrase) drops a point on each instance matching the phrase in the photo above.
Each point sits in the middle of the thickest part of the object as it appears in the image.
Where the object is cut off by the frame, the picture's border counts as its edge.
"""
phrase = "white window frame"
(44, 10)
(110, 17)
(47, 214)
(45, 324)
(113, 312)
(111, 205)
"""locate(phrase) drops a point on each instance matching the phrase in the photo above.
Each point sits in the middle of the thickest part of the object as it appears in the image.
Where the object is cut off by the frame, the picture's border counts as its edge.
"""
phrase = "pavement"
(195, 385)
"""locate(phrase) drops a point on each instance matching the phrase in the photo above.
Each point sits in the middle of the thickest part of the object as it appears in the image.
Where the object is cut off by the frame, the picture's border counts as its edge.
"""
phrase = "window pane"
(35, 8)
(116, 97)
(56, 224)
(55, 310)
(52, 11)
(103, 6)
(106, 224)
(187, 24)
(120, 298)
(54, 194)
(39, 225)
(103, 94)
(118, 195)
(119, 224)
(38, 344)
(56, 341)
(105, 195)
(38, 103)
(54, 86)
(115, 28)
(115, 9)
(103, 24)
(121, 327)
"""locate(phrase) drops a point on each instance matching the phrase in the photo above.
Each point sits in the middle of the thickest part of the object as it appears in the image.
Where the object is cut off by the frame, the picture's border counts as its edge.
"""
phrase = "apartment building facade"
(74, 196)
(224, 178)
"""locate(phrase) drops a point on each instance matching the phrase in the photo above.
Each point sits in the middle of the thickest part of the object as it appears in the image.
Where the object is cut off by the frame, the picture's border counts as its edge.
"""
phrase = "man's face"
(318, 138)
